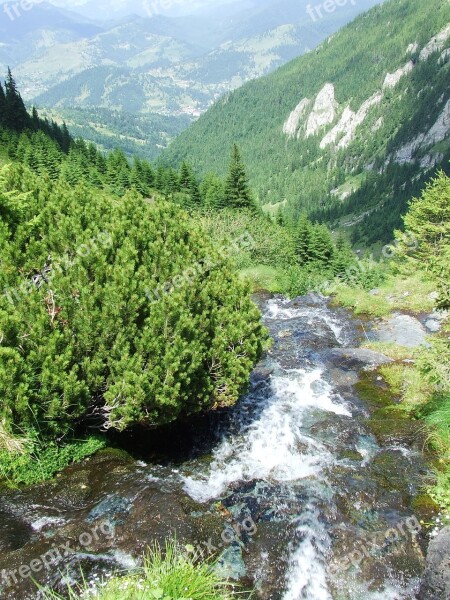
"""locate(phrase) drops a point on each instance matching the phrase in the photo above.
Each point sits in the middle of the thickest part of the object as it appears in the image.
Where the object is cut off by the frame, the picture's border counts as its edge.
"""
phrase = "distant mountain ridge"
(175, 67)
(348, 132)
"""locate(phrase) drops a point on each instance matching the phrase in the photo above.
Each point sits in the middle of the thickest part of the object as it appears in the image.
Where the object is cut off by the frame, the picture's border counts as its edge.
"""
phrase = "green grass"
(440, 491)
(46, 458)
(263, 277)
(169, 574)
(409, 294)
(407, 382)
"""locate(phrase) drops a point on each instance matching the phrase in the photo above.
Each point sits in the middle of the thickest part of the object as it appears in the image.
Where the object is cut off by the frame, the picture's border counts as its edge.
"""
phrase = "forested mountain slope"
(348, 132)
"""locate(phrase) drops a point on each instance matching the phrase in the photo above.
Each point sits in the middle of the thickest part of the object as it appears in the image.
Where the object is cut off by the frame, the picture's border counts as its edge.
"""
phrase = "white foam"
(39, 524)
(307, 576)
(273, 447)
(279, 310)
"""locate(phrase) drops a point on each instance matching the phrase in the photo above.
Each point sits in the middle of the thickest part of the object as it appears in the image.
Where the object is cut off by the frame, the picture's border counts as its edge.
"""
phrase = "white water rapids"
(276, 446)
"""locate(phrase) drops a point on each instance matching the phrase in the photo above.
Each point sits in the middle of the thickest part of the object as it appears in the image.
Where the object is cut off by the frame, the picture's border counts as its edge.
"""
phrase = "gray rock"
(439, 315)
(433, 325)
(351, 358)
(402, 330)
(436, 579)
(374, 292)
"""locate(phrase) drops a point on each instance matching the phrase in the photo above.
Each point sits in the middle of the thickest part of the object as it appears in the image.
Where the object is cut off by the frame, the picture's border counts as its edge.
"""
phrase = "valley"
(174, 67)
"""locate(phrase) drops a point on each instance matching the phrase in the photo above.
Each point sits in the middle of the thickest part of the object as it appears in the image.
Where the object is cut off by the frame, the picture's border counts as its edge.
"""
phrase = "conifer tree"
(343, 256)
(213, 191)
(426, 241)
(35, 119)
(16, 116)
(303, 235)
(2, 106)
(148, 175)
(237, 192)
(322, 246)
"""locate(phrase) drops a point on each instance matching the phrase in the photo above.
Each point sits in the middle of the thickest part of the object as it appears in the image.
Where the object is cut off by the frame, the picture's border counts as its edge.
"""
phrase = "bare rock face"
(293, 122)
(402, 330)
(392, 79)
(436, 580)
(436, 43)
(324, 110)
(356, 358)
(437, 133)
(345, 129)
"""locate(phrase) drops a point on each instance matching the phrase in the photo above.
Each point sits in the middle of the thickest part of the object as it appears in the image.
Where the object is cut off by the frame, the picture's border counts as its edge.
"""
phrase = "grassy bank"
(419, 378)
(28, 459)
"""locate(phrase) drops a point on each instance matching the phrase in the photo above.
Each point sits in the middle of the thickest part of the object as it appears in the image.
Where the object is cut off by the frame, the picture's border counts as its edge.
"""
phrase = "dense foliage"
(428, 224)
(116, 309)
(119, 308)
(84, 331)
(15, 118)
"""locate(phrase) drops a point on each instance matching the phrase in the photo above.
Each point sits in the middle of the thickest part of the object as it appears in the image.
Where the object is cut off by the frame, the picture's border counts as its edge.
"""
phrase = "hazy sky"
(137, 6)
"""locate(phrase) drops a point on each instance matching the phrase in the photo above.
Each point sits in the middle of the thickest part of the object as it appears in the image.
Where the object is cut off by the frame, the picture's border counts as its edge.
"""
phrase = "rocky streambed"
(305, 489)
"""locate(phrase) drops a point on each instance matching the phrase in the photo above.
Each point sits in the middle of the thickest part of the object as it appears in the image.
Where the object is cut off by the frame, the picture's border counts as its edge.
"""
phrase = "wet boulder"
(436, 580)
(355, 358)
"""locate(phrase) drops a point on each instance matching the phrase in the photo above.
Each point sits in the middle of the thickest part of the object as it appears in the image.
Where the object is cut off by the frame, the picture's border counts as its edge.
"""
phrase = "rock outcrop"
(436, 580)
(392, 79)
(323, 112)
(436, 43)
(349, 123)
(436, 133)
(402, 330)
(292, 124)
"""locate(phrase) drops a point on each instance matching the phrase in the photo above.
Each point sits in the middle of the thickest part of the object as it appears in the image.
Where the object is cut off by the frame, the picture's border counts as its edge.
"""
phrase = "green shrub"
(138, 318)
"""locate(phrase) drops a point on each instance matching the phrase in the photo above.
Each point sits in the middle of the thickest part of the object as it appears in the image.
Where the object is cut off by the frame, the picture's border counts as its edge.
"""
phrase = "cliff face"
(344, 122)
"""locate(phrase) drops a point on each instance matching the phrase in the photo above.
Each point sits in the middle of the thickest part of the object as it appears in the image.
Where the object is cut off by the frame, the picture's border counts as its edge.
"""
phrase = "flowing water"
(290, 487)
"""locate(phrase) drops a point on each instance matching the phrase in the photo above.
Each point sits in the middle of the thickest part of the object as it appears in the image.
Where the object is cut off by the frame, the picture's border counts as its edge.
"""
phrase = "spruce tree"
(16, 116)
(322, 245)
(237, 192)
(2, 106)
(343, 256)
(213, 191)
(303, 235)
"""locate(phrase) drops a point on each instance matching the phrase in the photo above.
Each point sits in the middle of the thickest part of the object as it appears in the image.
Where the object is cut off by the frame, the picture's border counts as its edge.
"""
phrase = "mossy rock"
(388, 469)
(424, 507)
(111, 453)
(390, 425)
(374, 395)
(351, 455)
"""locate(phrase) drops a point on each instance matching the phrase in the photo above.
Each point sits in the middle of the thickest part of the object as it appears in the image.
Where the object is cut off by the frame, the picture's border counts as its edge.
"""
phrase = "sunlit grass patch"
(264, 277)
(410, 294)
